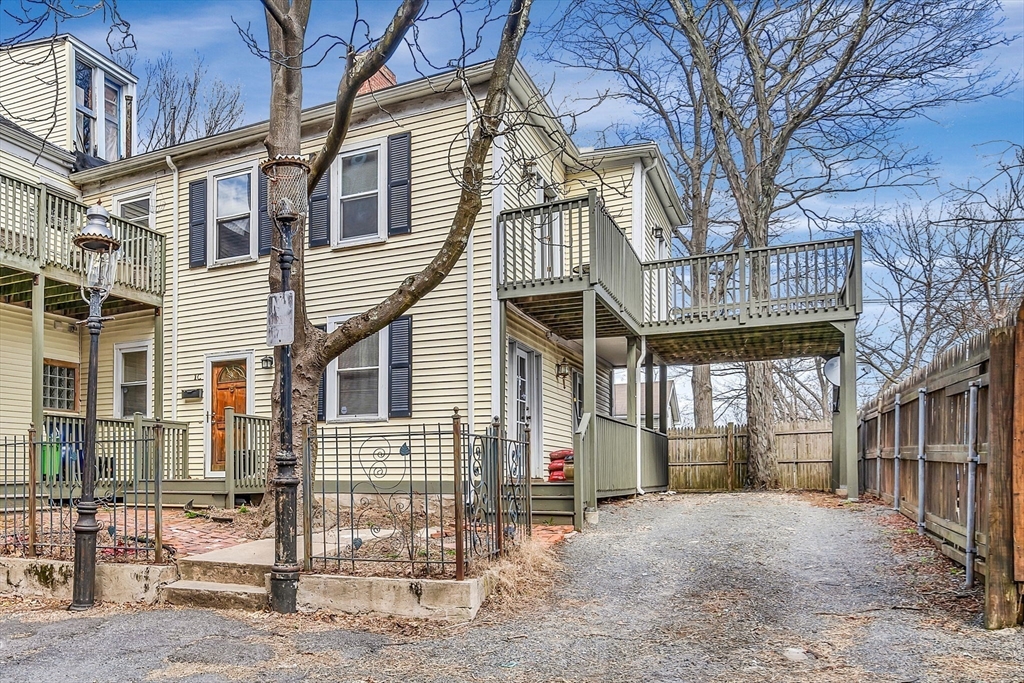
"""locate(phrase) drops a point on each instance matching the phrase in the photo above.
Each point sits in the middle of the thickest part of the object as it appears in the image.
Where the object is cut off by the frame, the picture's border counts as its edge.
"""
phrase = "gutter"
(174, 288)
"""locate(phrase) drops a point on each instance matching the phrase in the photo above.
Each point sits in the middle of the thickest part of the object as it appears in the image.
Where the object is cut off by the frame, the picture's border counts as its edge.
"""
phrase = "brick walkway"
(551, 534)
(198, 535)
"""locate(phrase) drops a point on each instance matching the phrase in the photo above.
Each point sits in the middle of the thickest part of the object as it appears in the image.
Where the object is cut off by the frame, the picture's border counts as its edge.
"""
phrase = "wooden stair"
(552, 502)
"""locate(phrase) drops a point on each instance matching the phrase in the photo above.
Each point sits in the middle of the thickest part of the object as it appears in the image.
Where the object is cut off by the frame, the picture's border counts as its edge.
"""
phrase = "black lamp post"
(287, 201)
(99, 247)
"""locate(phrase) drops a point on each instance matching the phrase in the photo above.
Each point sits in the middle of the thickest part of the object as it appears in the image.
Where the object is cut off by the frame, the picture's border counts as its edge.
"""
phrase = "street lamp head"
(100, 249)
(286, 213)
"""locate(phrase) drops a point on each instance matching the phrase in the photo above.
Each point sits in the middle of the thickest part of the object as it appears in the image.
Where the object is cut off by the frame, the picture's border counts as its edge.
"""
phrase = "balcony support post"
(38, 340)
(158, 364)
(586, 482)
(633, 345)
(848, 408)
(648, 405)
(663, 399)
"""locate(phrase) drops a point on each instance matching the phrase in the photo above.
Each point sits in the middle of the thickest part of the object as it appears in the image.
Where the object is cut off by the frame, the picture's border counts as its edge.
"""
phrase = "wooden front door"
(228, 388)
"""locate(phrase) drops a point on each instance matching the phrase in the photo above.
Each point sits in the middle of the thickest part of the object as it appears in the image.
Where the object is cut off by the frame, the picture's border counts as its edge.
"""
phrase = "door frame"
(535, 400)
(250, 399)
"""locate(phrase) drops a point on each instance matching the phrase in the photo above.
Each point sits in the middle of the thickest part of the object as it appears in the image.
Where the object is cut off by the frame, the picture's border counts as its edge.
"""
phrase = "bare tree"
(809, 105)
(177, 105)
(287, 20)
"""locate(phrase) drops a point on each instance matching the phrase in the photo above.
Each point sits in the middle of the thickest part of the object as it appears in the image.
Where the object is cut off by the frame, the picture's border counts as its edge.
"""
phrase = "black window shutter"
(266, 226)
(319, 224)
(197, 224)
(399, 184)
(321, 391)
(400, 367)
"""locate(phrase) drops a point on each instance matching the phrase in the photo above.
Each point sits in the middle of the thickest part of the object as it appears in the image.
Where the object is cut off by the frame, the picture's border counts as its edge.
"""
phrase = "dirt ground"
(736, 587)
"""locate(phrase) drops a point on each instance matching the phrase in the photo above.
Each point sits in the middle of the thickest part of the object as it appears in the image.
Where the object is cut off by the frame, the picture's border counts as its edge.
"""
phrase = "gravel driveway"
(725, 587)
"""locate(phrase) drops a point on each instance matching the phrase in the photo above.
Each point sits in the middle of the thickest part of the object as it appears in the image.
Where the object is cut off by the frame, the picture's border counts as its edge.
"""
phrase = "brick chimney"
(385, 78)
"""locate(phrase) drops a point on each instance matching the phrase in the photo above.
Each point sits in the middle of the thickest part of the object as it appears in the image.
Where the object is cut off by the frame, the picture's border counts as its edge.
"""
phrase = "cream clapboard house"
(566, 277)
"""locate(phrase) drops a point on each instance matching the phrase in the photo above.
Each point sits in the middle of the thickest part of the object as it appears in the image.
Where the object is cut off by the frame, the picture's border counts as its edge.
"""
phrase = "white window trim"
(149, 194)
(383, 378)
(100, 76)
(128, 347)
(381, 146)
(211, 213)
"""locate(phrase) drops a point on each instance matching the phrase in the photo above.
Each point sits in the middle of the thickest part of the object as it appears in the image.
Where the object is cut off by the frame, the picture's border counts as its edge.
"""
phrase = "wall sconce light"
(659, 232)
(267, 362)
(562, 370)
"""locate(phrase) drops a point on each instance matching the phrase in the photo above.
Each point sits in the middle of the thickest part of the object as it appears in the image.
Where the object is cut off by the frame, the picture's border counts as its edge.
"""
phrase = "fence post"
(730, 454)
(229, 458)
(496, 468)
(1002, 602)
(460, 557)
(922, 397)
(527, 475)
(139, 441)
(32, 489)
(878, 449)
(896, 455)
(307, 497)
(972, 482)
(158, 498)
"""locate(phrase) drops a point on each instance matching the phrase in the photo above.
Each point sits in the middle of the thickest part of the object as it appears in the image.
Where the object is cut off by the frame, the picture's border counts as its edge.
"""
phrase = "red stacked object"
(557, 462)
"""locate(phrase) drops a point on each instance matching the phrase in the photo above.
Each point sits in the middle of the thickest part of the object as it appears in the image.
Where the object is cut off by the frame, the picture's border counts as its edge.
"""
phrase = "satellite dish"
(831, 370)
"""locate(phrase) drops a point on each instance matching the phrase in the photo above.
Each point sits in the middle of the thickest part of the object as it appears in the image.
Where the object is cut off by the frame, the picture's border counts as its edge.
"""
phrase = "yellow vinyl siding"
(34, 89)
(16, 359)
(20, 168)
(123, 329)
(614, 185)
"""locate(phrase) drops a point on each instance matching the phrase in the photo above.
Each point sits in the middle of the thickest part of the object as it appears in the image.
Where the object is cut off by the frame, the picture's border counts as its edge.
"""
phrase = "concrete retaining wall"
(417, 598)
(120, 583)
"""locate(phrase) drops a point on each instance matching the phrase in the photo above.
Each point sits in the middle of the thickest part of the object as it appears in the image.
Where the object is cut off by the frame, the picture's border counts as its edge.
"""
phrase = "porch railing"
(653, 460)
(37, 228)
(615, 442)
(571, 240)
(748, 284)
(247, 453)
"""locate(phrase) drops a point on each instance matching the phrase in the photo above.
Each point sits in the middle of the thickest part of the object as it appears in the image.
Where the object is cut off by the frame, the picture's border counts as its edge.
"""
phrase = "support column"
(633, 345)
(158, 364)
(503, 364)
(38, 346)
(848, 409)
(649, 391)
(838, 475)
(663, 399)
(586, 486)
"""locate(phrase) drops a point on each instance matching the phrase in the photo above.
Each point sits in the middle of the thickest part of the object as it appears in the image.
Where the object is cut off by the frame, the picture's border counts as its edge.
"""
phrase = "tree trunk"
(703, 404)
(762, 458)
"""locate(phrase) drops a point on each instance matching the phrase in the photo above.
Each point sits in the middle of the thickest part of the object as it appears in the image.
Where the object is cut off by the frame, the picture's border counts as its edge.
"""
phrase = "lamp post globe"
(100, 249)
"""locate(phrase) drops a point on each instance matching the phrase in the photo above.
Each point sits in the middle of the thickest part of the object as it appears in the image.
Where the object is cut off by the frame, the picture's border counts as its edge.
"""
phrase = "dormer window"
(99, 112)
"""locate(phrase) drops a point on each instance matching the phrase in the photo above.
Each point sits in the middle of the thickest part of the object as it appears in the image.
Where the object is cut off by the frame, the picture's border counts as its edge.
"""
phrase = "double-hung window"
(135, 208)
(85, 109)
(357, 380)
(131, 379)
(233, 234)
(361, 211)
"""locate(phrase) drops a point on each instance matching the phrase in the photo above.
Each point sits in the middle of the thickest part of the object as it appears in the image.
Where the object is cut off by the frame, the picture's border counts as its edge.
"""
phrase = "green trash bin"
(51, 459)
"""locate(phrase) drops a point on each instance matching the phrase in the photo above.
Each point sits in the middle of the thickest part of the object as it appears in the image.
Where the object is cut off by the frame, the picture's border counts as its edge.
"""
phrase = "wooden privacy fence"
(946, 448)
(716, 459)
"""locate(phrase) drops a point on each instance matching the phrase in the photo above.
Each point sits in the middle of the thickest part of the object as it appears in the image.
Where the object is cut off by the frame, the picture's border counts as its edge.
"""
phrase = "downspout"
(972, 481)
(922, 395)
(470, 355)
(174, 287)
(896, 456)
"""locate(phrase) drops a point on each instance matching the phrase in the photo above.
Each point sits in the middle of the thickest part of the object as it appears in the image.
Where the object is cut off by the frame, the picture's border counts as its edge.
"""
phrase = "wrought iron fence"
(42, 484)
(424, 501)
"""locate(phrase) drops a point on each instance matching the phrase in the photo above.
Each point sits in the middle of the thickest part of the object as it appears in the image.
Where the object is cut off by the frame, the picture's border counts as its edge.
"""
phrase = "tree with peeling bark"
(797, 100)
(312, 349)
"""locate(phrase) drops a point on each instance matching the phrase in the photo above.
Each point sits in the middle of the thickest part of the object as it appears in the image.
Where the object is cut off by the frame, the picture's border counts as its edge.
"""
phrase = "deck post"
(632, 361)
(38, 351)
(848, 408)
(158, 364)
(648, 404)
(586, 484)
(663, 399)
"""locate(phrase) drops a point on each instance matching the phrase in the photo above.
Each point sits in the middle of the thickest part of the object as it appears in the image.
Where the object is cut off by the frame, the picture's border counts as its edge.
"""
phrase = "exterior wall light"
(562, 370)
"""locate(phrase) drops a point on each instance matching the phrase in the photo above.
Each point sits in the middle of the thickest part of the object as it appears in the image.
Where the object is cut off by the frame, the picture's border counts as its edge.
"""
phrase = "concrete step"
(198, 568)
(215, 595)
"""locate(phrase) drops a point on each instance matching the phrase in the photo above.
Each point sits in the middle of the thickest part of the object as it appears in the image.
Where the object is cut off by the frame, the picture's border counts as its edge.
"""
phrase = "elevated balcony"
(748, 304)
(36, 232)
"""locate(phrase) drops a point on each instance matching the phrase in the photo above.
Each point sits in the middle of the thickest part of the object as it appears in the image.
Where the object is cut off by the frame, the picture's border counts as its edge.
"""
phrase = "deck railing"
(748, 284)
(25, 207)
(570, 240)
(616, 456)
(247, 453)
